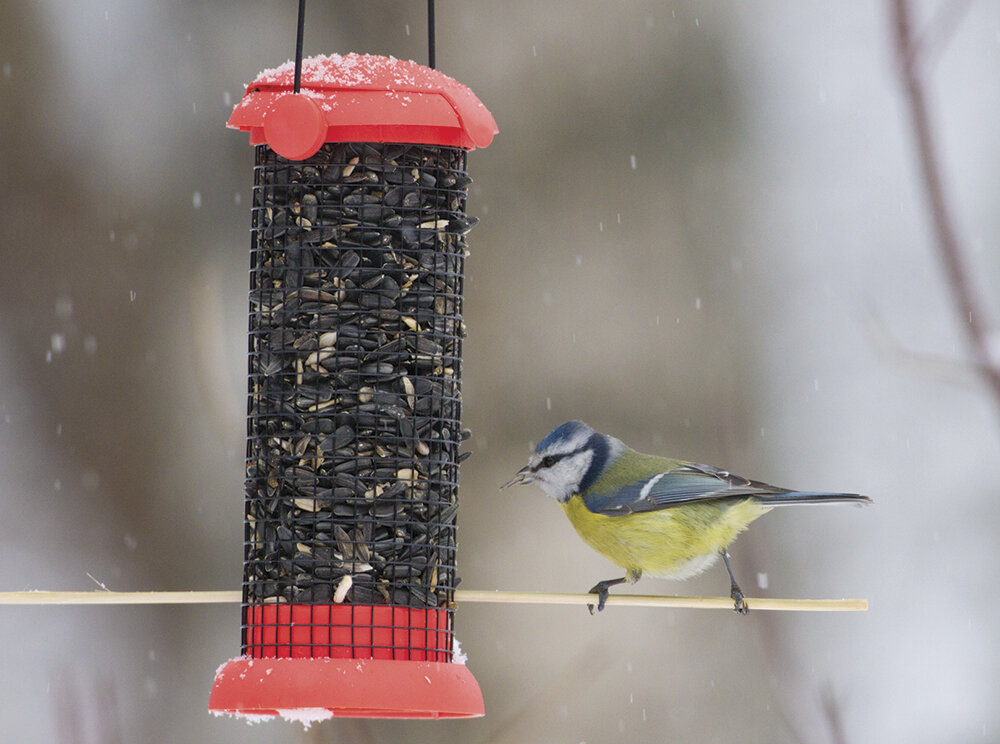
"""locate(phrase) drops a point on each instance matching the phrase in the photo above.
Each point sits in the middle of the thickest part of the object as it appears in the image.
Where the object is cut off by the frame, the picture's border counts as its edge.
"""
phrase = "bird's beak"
(523, 476)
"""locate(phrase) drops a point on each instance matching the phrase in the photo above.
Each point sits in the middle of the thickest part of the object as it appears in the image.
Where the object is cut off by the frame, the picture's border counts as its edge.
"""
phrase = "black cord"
(298, 44)
(430, 34)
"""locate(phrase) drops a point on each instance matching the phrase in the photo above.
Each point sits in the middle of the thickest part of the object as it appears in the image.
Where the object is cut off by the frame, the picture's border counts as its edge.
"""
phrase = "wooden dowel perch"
(643, 600)
(461, 595)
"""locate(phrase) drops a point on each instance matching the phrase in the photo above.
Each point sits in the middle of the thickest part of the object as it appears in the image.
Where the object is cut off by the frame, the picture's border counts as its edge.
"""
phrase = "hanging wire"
(430, 34)
(300, 33)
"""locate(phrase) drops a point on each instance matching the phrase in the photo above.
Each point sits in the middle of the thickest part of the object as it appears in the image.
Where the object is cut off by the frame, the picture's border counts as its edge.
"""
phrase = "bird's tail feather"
(782, 498)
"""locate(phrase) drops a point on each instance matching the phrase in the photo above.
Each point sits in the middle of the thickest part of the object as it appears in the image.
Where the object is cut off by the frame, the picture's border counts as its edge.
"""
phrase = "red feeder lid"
(310, 690)
(360, 98)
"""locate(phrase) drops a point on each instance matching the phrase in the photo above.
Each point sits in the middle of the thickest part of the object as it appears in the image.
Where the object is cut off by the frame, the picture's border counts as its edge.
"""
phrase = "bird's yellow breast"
(676, 542)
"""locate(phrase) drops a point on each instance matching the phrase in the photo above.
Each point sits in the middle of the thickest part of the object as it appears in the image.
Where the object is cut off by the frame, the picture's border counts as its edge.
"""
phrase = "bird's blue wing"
(688, 484)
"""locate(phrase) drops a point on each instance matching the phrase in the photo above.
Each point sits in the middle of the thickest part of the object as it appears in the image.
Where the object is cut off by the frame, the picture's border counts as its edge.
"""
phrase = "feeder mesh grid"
(354, 408)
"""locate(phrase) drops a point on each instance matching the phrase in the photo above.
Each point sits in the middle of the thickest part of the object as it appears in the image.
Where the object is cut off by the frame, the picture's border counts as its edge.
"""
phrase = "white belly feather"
(688, 569)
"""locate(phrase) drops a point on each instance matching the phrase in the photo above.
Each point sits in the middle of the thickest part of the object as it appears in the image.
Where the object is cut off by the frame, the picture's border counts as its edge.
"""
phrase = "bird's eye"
(549, 460)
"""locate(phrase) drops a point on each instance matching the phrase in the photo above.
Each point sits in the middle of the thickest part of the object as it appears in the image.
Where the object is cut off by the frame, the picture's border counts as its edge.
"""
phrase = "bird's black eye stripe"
(549, 460)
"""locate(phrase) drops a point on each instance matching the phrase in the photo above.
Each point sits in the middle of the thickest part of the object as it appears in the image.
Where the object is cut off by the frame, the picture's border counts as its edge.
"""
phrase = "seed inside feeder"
(355, 353)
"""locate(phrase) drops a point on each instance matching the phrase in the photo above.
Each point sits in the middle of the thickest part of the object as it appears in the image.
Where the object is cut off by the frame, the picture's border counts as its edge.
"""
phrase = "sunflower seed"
(342, 588)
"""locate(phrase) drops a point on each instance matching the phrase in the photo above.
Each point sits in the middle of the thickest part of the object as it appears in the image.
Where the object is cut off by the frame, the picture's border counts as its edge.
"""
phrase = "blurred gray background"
(703, 231)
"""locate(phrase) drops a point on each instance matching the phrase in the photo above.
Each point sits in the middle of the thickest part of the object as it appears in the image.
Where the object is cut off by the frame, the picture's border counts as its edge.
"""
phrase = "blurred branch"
(799, 702)
(67, 708)
(910, 55)
(936, 367)
(939, 30)
(832, 713)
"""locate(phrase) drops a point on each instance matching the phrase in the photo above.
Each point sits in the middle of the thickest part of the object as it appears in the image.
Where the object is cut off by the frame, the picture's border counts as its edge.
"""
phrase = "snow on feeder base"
(354, 410)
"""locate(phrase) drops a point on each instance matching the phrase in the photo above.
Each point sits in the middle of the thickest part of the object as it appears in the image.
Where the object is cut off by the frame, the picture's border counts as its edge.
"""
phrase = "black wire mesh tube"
(354, 402)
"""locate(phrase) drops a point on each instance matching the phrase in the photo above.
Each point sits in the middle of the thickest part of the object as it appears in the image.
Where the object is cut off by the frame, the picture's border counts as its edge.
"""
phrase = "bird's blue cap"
(563, 432)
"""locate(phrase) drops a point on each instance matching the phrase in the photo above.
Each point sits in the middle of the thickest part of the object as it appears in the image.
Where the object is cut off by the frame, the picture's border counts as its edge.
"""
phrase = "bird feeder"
(354, 402)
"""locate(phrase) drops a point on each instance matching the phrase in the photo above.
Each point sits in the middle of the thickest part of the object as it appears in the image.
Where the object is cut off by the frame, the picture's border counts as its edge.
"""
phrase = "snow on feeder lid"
(360, 98)
(354, 415)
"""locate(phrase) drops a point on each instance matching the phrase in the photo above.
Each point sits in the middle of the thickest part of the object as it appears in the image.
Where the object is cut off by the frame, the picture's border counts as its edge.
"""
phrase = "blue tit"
(652, 515)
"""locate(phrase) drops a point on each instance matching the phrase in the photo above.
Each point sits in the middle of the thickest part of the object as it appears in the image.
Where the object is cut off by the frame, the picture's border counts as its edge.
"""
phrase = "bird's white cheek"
(550, 488)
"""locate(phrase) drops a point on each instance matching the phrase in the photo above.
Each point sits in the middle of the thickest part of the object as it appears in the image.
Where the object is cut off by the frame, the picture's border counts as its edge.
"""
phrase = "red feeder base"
(310, 662)
(309, 689)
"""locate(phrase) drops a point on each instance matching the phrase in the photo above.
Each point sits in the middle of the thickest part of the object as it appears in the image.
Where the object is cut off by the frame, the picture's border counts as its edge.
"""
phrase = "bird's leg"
(601, 587)
(740, 607)
(601, 590)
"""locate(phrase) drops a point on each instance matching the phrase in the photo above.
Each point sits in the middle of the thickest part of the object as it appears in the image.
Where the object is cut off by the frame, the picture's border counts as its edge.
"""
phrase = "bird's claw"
(601, 590)
(739, 605)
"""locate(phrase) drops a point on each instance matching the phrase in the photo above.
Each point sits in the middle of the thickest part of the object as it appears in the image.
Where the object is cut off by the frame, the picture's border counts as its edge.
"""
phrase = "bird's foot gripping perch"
(601, 590)
(739, 605)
